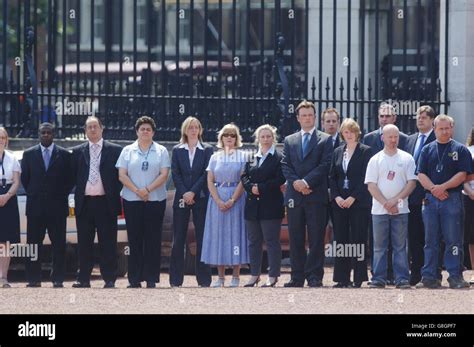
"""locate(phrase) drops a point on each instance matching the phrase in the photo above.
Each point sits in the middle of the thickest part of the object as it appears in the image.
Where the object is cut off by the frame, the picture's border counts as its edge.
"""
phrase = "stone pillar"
(460, 63)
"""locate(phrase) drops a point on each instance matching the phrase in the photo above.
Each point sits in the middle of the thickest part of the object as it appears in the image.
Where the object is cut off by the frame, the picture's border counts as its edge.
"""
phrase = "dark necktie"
(420, 147)
(305, 144)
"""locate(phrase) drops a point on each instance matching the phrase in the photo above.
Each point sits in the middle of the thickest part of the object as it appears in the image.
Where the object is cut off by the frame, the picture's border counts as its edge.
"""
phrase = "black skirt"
(9, 219)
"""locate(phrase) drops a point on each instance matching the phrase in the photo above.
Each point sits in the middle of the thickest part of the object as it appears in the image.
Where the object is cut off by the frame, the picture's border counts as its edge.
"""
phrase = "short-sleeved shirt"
(10, 165)
(440, 162)
(134, 160)
(391, 174)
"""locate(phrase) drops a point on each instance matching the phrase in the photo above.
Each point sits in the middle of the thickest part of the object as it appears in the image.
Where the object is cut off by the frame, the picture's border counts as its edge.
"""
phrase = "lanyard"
(4, 180)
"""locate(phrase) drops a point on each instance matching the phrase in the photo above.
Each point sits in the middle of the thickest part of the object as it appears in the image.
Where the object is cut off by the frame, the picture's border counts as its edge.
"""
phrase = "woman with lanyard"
(143, 170)
(225, 237)
(9, 215)
(351, 203)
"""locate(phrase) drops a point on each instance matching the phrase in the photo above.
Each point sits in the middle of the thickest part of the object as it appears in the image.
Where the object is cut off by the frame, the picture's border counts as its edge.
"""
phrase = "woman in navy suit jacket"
(189, 161)
(351, 203)
(264, 207)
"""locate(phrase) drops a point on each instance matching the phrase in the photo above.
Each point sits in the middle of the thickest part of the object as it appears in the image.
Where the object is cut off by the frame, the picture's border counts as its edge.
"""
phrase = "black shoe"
(342, 285)
(403, 285)
(294, 284)
(314, 283)
(379, 285)
(414, 280)
(34, 285)
(458, 283)
(81, 285)
(356, 284)
(134, 285)
(109, 284)
(58, 285)
(429, 284)
(203, 285)
(253, 283)
(151, 284)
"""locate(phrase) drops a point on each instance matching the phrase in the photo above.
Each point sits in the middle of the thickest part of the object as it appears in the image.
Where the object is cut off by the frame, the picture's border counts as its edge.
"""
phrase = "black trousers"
(416, 242)
(95, 215)
(350, 227)
(144, 228)
(181, 218)
(35, 233)
(310, 218)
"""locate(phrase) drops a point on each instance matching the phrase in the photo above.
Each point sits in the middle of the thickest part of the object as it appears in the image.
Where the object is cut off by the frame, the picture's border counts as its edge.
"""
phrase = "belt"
(94, 196)
(226, 184)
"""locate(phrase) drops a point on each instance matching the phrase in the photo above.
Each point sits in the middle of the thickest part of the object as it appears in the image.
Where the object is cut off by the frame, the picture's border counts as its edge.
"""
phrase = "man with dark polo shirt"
(442, 169)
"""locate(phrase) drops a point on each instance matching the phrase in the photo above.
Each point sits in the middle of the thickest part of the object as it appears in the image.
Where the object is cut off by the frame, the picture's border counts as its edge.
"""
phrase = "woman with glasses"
(9, 215)
(225, 236)
(143, 170)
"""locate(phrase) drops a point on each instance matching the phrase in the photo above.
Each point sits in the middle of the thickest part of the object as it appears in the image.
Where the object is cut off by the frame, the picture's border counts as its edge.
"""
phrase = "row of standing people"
(240, 191)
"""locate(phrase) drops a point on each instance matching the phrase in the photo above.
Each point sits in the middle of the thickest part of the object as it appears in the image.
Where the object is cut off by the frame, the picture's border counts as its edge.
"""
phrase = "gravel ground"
(191, 299)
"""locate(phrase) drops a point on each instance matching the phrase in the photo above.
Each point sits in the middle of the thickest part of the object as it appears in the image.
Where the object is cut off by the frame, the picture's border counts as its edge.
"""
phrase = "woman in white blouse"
(9, 215)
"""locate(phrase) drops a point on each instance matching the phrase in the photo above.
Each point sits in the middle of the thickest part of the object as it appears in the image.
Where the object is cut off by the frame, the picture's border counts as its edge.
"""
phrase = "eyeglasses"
(229, 135)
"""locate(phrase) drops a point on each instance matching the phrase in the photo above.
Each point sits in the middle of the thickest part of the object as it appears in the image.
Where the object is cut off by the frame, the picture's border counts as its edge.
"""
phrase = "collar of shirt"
(50, 148)
(186, 146)
(100, 143)
(135, 147)
(270, 151)
(310, 132)
(426, 134)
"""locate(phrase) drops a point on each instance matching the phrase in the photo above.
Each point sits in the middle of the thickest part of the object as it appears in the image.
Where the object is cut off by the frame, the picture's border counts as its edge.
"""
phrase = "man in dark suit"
(189, 161)
(45, 176)
(416, 234)
(305, 165)
(374, 140)
(330, 120)
(97, 203)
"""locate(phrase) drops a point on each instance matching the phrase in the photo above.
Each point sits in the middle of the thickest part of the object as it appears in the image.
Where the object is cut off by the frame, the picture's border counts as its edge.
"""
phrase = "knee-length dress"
(225, 237)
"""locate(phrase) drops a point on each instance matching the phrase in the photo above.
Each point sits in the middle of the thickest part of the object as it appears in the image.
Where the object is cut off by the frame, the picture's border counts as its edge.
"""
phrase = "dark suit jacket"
(372, 140)
(187, 178)
(47, 191)
(269, 178)
(355, 174)
(417, 196)
(314, 168)
(108, 174)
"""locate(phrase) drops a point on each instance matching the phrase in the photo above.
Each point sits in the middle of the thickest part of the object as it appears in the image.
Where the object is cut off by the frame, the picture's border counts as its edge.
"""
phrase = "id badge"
(391, 175)
(346, 183)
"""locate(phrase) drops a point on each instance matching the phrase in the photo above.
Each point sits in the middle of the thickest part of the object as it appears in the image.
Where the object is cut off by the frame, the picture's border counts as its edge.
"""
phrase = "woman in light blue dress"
(225, 236)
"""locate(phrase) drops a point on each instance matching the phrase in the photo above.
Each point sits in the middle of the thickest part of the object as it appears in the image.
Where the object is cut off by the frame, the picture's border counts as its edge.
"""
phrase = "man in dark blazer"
(416, 234)
(190, 180)
(97, 203)
(386, 115)
(305, 165)
(45, 175)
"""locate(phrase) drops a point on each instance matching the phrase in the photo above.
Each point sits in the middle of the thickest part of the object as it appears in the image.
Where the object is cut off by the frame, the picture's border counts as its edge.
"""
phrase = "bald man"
(390, 178)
